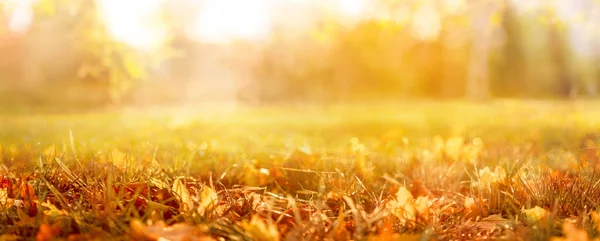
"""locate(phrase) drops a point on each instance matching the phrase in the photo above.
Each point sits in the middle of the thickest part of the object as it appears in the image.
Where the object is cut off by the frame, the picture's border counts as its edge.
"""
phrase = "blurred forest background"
(85, 53)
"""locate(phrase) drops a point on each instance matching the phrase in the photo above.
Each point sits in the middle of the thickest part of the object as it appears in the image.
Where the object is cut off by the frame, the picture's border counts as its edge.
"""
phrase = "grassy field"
(503, 169)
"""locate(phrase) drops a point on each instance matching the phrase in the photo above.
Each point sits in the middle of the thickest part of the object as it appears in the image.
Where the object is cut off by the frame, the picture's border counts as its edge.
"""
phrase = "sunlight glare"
(21, 14)
(352, 7)
(223, 20)
(426, 22)
(130, 22)
(453, 6)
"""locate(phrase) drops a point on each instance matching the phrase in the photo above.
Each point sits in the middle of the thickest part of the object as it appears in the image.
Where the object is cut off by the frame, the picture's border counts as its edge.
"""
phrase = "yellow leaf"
(535, 214)
(403, 206)
(158, 183)
(119, 159)
(572, 233)
(183, 194)
(260, 230)
(208, 199)
(403, 196)
(5, 202)
(422, 206)
(596, 218)
(53, 210)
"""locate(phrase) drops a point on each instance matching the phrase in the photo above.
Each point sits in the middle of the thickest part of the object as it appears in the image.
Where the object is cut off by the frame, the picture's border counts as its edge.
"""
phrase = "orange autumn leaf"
(339, 232)
(27, 192)
(47, 232)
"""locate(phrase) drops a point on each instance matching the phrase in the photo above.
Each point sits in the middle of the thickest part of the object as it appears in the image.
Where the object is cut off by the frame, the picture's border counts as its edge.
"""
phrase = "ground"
(418, 170)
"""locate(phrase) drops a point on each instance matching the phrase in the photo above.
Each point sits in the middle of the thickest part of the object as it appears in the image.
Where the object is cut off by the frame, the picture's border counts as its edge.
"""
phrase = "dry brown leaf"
(27, 192)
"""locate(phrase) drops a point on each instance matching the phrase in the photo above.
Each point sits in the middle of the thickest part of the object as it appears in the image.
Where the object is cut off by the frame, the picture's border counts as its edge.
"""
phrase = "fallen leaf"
(572, 233)
(161, 232)
(52, 210)
(406, 208)
(47, 232)
(491, 222)
(535, 214)
(27, 192)
(208, 199)
(183, 194)
(260, 230)
(596, 218)
(474, 208)
(5, 202)
(10, 237)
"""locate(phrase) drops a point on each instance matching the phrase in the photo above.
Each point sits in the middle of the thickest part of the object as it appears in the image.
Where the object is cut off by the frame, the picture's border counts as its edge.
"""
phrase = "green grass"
(114, 166)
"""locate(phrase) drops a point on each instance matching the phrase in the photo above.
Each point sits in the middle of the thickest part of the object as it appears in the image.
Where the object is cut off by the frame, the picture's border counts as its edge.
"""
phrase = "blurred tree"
(510, 68)
(67, 44)
(486, 34)
(103, 60)
(560, 52)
